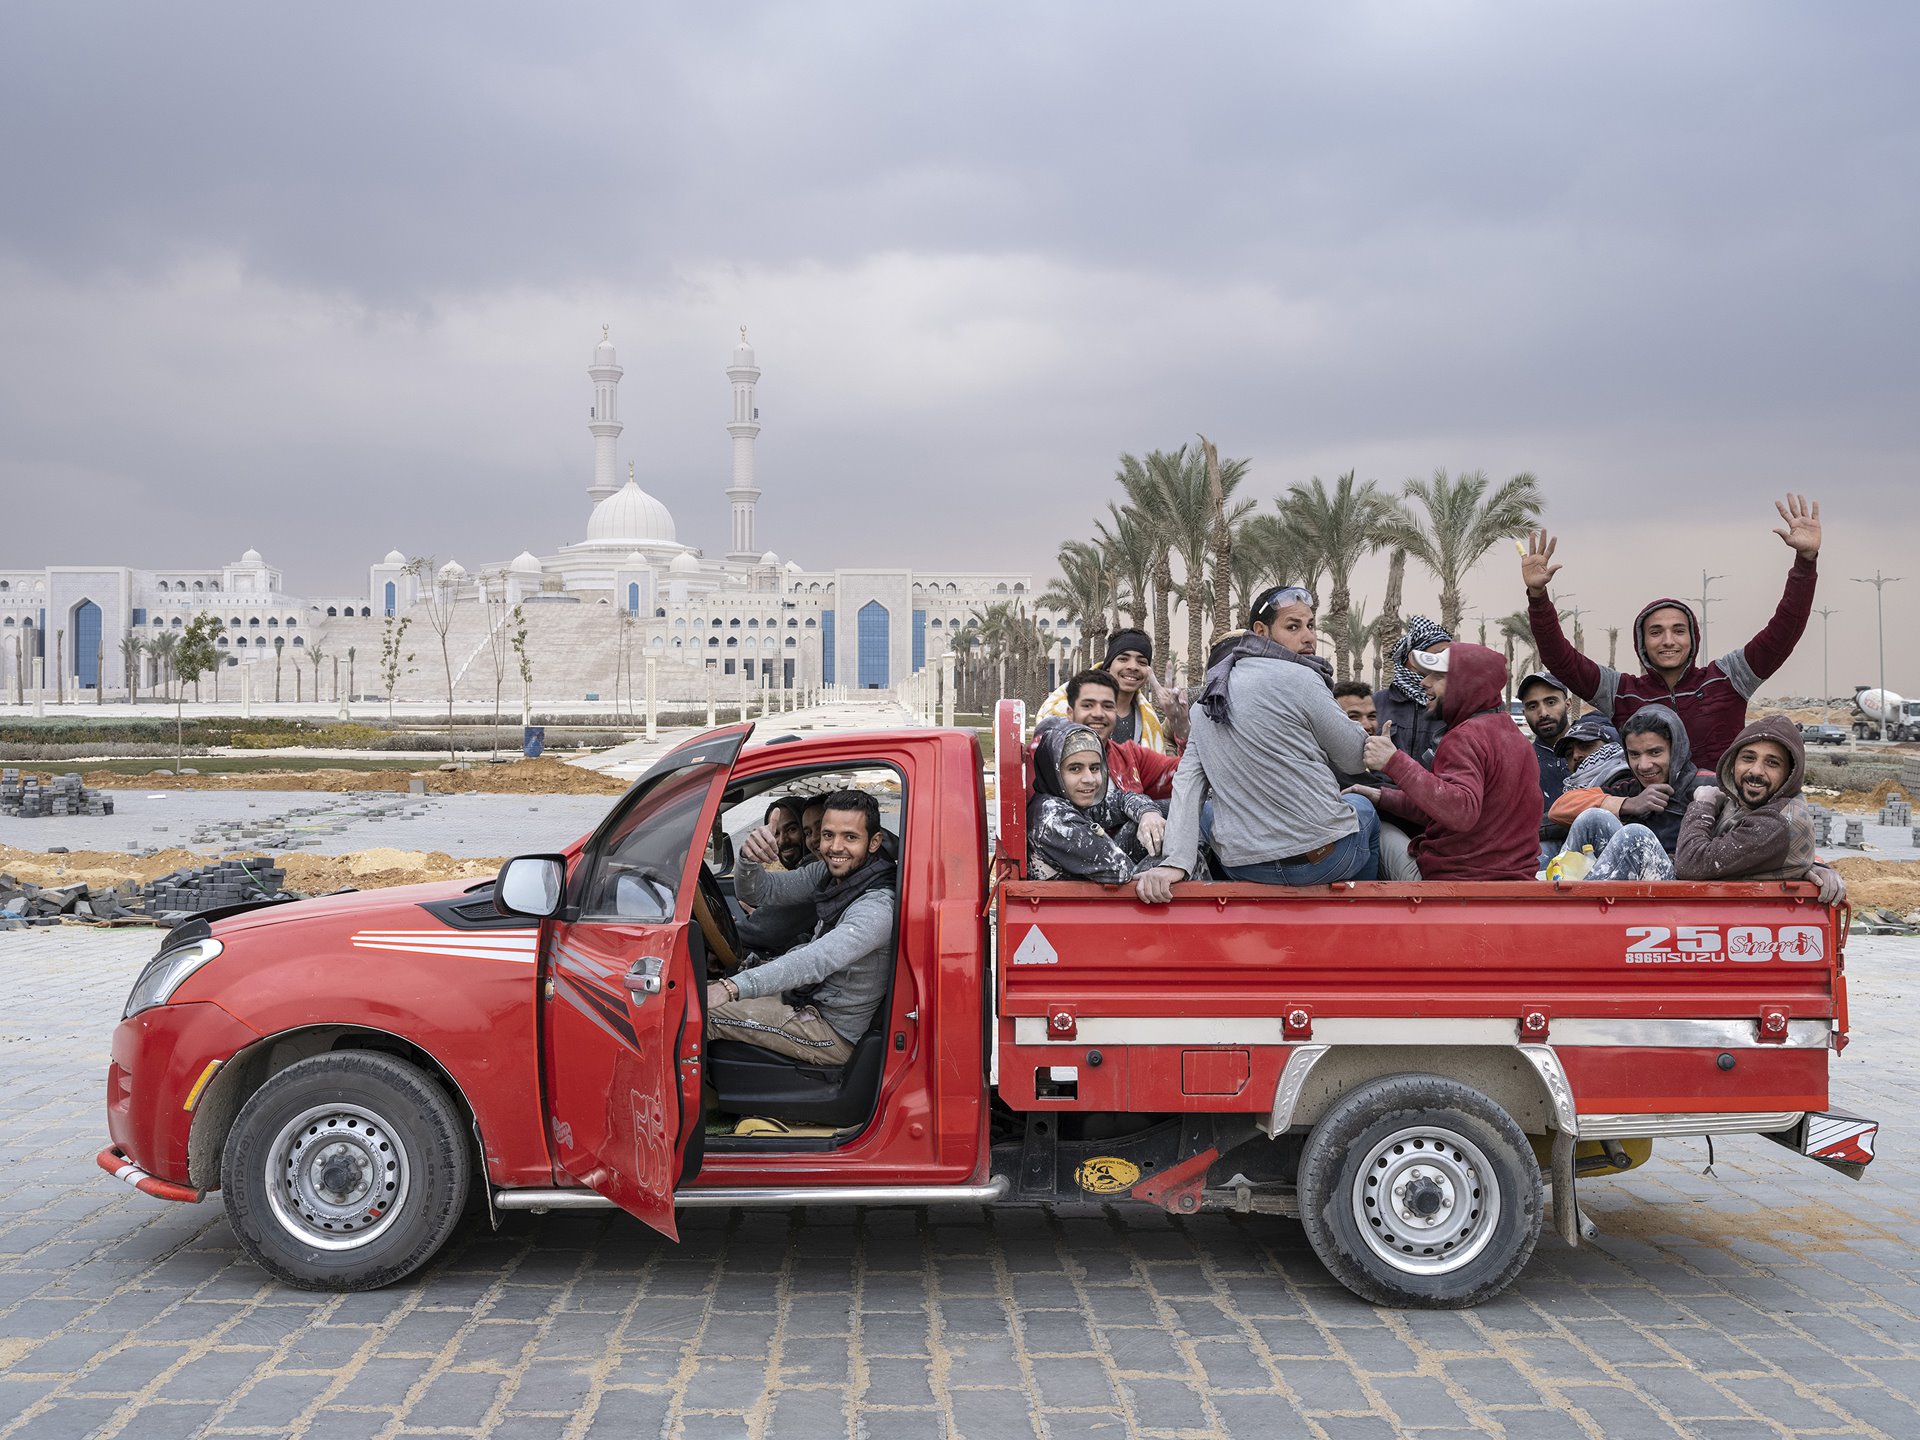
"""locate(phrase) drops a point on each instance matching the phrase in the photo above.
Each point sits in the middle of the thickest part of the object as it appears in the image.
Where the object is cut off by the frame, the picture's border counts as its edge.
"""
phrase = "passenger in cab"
(1093, 700)
(815, 1001)
(1147, 713)
(1079, 825)
(1755, 824)
(1653, 787)
(1710, 699)
(1480, 804)
(1267, 738)
(810, 826)
(772, 929)
(1406, 704)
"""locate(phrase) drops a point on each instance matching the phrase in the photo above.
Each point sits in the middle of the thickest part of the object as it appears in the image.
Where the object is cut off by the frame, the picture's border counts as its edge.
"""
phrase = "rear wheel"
(1418, 1191)
(345, 1171)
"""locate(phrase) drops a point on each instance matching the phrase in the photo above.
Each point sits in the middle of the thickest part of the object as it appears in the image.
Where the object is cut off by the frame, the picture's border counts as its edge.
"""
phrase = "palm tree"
(1386, 629)
(1181, 509)
(1515, 629)
(1269, 550)
(1220, 527)
(1613, 646)
(1359, 632)
(1458, 522)
(314, 657)
(1344, 524)
(1080, 594)
(1130, 552)
(1148, 498)
(131, 650)
(162, 648)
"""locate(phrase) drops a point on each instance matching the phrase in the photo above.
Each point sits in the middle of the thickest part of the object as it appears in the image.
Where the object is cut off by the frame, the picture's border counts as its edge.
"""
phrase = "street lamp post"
(1880, 583)
(1706, 581)
(1826, 683)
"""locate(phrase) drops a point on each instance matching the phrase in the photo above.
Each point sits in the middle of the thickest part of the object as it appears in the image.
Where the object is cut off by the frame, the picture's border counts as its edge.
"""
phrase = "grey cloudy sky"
(325, 281)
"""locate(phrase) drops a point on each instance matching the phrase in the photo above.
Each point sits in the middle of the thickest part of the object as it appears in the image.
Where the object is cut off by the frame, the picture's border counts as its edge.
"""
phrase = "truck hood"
(359, 905)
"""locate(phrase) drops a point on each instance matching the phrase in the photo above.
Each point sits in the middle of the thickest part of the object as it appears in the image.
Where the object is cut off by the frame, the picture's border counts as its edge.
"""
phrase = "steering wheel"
(716, 921)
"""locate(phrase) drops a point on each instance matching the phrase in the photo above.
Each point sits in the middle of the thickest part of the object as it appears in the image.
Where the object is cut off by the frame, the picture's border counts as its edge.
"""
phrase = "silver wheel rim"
(1426, 1200)
(337, 1177)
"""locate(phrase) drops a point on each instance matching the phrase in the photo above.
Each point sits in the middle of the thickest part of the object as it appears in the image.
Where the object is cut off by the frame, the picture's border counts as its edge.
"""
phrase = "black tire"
(1447, 1182)
(345, 1171)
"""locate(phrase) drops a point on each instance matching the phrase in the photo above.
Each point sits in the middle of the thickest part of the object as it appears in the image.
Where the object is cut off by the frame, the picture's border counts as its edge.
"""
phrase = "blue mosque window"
(390, 598)
(875, 640)
(919, 639)
(86, 643)
(633, 597)
(827, 668)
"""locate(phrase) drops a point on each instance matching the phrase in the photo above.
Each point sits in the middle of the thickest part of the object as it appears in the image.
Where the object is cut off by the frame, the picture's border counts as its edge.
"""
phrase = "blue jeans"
(1353, 857)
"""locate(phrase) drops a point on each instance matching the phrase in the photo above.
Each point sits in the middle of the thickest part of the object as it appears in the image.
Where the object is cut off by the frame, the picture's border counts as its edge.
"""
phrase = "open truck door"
(625, 1001)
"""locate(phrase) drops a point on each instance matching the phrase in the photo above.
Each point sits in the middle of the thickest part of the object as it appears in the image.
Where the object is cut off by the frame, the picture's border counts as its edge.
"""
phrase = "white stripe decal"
(518, 957)
(505, 939)
(1415, 1030)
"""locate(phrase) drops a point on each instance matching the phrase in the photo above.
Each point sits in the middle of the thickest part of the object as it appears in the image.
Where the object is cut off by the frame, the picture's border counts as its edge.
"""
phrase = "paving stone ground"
(1767, 1298)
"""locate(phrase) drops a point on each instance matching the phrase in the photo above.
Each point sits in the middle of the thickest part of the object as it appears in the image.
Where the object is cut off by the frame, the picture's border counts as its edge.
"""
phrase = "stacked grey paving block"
(1822, 824)
(212, 887)
(32, 798)
(1896, 811)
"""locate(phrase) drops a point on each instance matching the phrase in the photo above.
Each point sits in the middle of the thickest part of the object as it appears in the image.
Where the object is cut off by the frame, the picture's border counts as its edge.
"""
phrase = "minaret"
(744, 425)
(605, 424)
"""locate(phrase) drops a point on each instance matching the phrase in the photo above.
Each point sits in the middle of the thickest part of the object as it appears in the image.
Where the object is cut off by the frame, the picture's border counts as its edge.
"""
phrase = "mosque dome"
(603, 352)
(769, 558)
(631, 514)
(634, 557)
(394, 557)
(453, 570)
(525, 563)
(743, 352)
(793, 567)
(252, 557)
(684, 563)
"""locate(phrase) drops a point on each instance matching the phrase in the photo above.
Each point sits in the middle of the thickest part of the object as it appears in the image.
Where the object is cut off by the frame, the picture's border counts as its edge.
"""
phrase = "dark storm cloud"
(1661, 255)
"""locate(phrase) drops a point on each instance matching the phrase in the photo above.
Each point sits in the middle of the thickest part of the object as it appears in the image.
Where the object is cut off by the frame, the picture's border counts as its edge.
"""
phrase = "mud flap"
(1567, 1219)
(1840, 1142)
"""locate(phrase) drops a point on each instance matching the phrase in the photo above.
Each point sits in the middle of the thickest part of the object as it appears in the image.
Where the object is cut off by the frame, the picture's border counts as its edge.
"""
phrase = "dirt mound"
(1890, 884)
(520, 777)
(380, 868)
(308, 874)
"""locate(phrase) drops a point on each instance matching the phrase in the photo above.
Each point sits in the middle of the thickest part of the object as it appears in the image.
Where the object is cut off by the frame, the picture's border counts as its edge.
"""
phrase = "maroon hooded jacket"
(1481, 803)
(1711, 699)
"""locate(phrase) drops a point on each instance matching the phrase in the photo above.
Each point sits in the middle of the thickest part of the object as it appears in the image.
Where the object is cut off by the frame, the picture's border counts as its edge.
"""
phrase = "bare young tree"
(493, 591)
(519, 643)
(438, 595)
(392, 663)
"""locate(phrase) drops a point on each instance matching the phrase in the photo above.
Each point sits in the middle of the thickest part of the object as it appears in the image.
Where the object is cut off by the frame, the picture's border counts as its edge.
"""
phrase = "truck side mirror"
(530, 885)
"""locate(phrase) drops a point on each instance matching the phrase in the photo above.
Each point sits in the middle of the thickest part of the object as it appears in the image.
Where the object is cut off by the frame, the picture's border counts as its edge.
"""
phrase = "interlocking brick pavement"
(1766, 1298)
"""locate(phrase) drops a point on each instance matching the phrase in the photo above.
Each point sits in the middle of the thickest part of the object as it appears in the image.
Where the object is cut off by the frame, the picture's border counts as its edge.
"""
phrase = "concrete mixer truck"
(1871, 706)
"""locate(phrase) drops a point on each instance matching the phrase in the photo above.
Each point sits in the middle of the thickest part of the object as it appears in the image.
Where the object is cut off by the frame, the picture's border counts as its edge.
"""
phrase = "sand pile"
(520, 777)
(308, 874)
(1890, 884)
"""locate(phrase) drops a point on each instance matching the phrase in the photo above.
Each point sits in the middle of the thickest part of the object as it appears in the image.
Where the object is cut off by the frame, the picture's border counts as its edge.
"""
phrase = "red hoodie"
(1481, 803)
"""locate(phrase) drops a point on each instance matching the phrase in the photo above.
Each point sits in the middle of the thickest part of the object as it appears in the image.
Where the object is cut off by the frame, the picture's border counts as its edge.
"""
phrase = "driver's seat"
(752, 1081)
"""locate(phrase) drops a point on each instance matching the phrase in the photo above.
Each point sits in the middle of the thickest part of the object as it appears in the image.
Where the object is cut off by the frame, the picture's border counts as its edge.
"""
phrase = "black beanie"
(1121, 641)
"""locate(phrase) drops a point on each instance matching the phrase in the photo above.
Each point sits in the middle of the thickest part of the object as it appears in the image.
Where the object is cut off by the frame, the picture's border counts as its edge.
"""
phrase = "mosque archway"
(86, 644)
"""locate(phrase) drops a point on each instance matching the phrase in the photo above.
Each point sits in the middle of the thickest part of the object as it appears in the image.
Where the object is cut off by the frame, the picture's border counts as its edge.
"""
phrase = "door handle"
(644, 978)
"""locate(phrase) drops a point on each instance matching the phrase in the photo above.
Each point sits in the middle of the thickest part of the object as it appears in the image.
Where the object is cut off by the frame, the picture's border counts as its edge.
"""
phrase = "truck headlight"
(166, 972)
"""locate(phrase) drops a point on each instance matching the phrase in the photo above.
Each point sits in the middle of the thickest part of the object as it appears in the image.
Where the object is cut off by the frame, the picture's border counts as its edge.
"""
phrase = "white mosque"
(594, 610)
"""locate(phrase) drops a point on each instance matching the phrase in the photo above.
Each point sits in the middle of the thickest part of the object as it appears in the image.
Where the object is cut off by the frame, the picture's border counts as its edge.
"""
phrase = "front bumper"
(163, 1060)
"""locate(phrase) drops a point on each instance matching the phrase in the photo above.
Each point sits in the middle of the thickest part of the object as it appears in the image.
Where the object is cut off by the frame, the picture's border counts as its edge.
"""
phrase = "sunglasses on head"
(1272, 600)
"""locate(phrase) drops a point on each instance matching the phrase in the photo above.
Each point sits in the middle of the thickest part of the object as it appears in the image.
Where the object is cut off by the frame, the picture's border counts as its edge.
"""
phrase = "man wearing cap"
(1544, 706)
(1481, 802)
(1130, 661)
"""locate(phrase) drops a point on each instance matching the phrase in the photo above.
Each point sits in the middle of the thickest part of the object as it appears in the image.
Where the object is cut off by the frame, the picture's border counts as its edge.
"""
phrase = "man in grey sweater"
(815, 1001)
(1266, 739)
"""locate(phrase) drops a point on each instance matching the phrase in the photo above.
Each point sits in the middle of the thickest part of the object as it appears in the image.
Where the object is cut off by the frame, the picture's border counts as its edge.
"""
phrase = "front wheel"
(1418, 1191)
(345, 1171)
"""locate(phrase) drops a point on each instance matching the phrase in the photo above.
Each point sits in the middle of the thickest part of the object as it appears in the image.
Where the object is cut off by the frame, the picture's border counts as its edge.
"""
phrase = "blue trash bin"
(533, 739)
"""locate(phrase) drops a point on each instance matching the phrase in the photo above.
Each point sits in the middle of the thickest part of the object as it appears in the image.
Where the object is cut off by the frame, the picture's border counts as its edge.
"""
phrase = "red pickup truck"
(1404, 1068)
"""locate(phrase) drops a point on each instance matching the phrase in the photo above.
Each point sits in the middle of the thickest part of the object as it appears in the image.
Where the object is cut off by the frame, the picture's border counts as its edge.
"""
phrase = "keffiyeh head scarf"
(1422, 634)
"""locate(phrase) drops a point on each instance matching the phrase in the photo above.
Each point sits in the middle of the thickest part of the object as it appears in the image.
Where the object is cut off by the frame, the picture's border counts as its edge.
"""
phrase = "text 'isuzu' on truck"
(1406, 1068)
